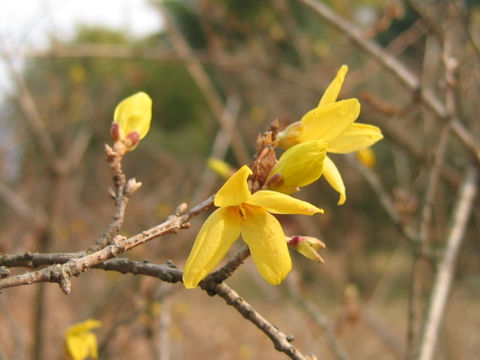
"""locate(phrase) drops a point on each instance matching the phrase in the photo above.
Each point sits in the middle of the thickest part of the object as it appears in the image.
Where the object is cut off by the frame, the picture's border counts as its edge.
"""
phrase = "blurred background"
(219, 72)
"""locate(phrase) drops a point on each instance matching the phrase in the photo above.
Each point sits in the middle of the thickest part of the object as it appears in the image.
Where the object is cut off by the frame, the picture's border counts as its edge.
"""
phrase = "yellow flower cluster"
(329, 127)
(334, 122)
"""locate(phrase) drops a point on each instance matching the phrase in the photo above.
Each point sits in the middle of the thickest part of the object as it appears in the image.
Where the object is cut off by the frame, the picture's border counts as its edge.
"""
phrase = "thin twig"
(16, 333)
(421, 8)
(446, 267)
(121, 194)
(401, 72)
(204, 83)
(319, 319)
(464, 23)
(61, 274)
(20, 206)
(171, 274)
(385, 199)
(281, 342)
(32, 115)
(432, 186)
(220, 146)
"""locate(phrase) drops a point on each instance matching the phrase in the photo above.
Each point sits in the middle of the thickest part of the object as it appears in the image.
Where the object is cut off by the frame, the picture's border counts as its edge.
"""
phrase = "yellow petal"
(83, 327)
(215, 238)
(357, 136)
(332, 175)
(235, 190)
(268, 246)
(330, 95)
(329, 121)
(278, 203)
(300, 165)
(133, 116)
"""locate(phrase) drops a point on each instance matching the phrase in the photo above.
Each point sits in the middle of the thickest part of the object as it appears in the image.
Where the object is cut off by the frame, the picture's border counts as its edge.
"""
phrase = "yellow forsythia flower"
(249, 215)
(220, 167)
(131, 119)
(80, 342)
(299, 166)
(366, 157)
(333, 122)
(307, 246)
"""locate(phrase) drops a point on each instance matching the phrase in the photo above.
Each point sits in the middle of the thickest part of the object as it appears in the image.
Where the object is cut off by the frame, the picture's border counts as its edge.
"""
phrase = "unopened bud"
(131, 120)
(307, 246)
(290, 136)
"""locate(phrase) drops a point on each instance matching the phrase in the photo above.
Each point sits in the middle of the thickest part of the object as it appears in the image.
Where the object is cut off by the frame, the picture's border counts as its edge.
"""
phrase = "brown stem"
(61, 274)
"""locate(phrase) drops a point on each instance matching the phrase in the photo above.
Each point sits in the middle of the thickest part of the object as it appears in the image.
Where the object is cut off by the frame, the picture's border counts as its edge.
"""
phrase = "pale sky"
(26, 24)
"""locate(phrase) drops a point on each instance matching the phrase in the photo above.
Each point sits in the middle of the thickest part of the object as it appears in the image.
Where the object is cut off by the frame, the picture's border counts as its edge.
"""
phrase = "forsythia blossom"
(299, 166)
(131, 120)
(242, 213)
(220, 167)
(80, 342)
(366, 157)
(333, 122)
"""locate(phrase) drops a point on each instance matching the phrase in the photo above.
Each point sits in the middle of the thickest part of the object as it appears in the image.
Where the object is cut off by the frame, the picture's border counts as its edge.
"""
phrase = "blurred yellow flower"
(366, 157)
(131, 119)
(333, 122)
(220, 167)
(80, 342)
(249, 215)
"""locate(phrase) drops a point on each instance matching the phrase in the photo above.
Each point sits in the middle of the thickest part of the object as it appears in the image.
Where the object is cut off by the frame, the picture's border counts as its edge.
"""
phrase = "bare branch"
(401, 72)
(319, 319)
(432, 186)
(385, 199)
(20, 206)
(446, 267)
(204, 83)
(75, 266)
(280, 341)
(32, 116)
(222, 141)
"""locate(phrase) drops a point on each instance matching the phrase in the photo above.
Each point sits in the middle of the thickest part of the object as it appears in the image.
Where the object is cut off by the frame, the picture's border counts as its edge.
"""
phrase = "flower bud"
(307, 246)
(131, 120)
(300, 165)
(290, 135)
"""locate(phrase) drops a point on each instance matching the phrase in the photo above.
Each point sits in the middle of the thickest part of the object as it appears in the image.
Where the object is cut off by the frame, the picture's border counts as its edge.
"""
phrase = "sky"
(27, 24)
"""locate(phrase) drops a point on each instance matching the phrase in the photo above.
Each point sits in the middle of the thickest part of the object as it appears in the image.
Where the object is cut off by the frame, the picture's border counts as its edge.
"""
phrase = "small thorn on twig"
(111, 192)
(131, 186)
(290, 338)
(170, 264)
(109, 152)
(4, 272)
(185, 225)
(65, 283)
(181, 209)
